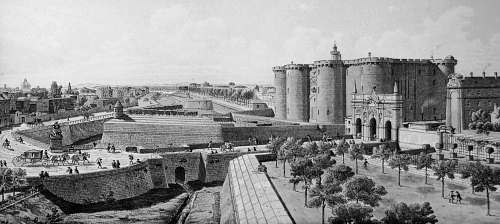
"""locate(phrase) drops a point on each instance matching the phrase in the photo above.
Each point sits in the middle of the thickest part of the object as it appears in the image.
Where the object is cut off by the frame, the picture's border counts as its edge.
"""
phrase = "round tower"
(330, 92)
(447, 65)
(297, 92)
(118, 109)
(377, 72)
(280, 94)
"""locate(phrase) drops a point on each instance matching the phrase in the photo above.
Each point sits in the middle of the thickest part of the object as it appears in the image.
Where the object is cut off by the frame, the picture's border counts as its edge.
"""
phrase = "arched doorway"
(180, 174)
(358, 126)
(373, 129)
(388, 131)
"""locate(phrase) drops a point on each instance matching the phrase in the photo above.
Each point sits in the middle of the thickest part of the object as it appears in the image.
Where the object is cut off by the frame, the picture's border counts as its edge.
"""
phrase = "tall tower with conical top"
(336, 56)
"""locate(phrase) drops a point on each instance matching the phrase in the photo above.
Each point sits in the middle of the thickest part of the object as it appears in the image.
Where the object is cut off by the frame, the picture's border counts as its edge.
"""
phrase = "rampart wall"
(414, 138)
(124, 183)
(124, 134)
(71, 132)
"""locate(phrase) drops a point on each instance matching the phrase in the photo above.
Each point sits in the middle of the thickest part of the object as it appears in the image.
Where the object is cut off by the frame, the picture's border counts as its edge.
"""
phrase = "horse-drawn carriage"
(30, 157)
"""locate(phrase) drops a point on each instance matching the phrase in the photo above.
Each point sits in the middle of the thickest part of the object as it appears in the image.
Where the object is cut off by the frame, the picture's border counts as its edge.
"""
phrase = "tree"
(483, 178)
(18, 178)
(6, 180)
(424, 161)
(342, 148)
(274, 146)
(401, 161)
(231, 84)
(340, 173)
(413, 213)
(356, 153)
(467, 171)
(348, 213)
(383, 153)
(362, 188)
(443, 169)
(311, 149)
(323, 161)
(297, 170)
(82, 100)
(326, 194)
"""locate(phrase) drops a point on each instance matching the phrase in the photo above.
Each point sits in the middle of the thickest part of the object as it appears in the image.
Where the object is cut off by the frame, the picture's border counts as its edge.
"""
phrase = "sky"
(138, 42)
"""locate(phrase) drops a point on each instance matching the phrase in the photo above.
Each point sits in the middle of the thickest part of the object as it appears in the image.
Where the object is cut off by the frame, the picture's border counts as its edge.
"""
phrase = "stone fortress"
(321, 92)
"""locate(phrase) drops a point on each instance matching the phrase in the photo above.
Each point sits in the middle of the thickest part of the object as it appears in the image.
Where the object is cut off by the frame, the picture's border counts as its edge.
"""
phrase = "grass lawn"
(413, 190)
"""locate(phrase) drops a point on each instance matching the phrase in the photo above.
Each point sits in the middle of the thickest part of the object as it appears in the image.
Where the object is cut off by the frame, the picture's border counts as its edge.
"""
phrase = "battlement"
(297, 67)
(278, 69)
(482, 75)
(376, 60)
(327, 63)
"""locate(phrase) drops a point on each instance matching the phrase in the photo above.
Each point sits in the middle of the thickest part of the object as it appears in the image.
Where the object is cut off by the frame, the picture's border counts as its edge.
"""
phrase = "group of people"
(111, 148)
(70, 171)
(3, 163)
(455, 196)
(116, 164)
(43, 174)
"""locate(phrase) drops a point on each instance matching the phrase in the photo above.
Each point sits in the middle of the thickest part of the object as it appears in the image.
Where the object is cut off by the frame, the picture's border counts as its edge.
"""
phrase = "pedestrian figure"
(5, 163)
(138, 161)
(210, 145)
(459, 197)
(76, 170)
(249, 150)
(451, 198)
(94, 143)
(113, 164)
(70, 171)
(45, 155)
(109, 147)
(254, 148)
(113, 148)
(46, 174)
(80, 151)
(84, 158)
(365, 164)
(131, 158)
(324, 138)
(117, 164)
(41, 175)
(99, 163)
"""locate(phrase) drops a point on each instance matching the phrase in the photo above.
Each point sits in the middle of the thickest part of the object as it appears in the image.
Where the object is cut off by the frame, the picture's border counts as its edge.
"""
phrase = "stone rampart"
(71, 133)
(249, 197)
(216, 164)
(191, 162)
(118, 184)
(148, 135)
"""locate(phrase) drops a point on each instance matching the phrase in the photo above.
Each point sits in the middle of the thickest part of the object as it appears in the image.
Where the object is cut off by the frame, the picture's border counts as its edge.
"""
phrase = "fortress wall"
(414, 138)
(190, 161)
(237, 134)
(330, 99)
(353, 74)
(71, 133)
(124, 134)
(84, 188)
(264, 112)
(216, 164)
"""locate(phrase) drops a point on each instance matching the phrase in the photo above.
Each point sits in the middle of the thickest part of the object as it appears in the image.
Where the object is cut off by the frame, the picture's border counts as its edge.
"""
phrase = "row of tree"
(235, 94)
(11, 178)
(350, 197)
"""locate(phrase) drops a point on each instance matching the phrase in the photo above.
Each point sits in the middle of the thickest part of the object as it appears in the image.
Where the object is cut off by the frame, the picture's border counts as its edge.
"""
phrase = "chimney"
(471, 74)
(496, 75)
(484, 75)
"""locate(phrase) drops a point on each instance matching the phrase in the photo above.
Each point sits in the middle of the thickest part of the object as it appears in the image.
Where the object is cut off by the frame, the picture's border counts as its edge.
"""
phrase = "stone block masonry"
(253, 198)
(94, 187)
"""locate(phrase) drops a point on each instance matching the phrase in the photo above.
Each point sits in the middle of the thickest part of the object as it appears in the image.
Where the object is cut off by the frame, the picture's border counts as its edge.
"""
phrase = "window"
(318, 112)
(433, 82)
(327, 112)
(433, 71)
(434, 110)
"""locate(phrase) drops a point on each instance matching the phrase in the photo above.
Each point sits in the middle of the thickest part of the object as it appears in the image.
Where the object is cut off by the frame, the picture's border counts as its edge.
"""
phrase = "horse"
(6, 145)
(75, 159)
(60, 158)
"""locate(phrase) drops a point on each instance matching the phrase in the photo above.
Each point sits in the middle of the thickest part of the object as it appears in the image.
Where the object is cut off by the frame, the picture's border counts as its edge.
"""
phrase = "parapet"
(278, 69)
(327, 63)
(297, 67)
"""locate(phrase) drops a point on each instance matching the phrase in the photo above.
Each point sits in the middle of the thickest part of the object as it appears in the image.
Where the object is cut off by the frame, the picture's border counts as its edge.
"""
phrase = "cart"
(30, 157)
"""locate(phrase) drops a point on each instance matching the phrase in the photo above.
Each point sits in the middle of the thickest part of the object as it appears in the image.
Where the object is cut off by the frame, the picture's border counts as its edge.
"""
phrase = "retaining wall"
(414, 138)
(124, 183)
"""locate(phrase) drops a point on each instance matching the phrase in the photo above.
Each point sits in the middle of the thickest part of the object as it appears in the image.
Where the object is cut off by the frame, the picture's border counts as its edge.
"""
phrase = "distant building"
(55, 105)
(104, 92)
(25, 86)
(4, 111)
